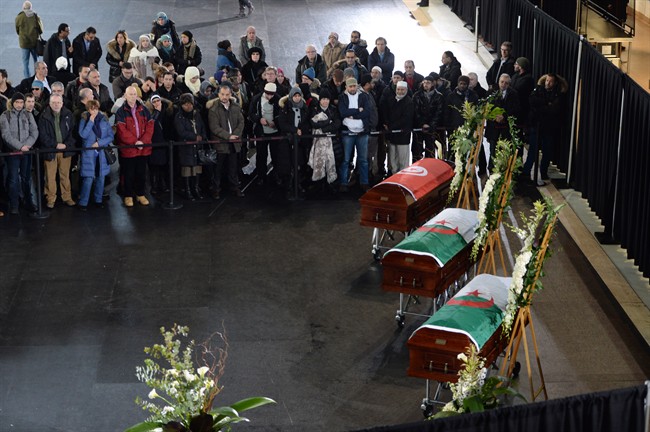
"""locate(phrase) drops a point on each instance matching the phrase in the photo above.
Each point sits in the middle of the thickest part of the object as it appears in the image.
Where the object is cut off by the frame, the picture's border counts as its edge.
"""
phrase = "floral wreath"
(525, 280)
(489, 203)
(465, 137)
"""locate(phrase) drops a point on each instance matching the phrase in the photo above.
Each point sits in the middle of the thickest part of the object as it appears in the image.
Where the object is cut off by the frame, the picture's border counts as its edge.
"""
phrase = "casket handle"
(430, 365)
(446, 369)
(387, 218)
(414, 282)
(376, 217)
(401, 281)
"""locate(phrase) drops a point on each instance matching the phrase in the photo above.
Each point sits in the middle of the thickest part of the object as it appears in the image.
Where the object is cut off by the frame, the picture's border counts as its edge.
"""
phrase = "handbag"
(109, 153)
(206, 155)
(40, 46)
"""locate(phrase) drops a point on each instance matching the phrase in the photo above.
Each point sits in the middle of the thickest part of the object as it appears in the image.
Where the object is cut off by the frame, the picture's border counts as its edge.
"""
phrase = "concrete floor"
(294, 284)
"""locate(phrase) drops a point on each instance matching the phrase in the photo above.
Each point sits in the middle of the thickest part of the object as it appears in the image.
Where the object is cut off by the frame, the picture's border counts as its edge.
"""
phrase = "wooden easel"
(487, 263)
(467, 186)
(524, 318)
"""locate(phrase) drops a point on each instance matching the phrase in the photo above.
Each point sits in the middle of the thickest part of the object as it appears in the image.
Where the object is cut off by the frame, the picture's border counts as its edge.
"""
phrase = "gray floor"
(294, 285)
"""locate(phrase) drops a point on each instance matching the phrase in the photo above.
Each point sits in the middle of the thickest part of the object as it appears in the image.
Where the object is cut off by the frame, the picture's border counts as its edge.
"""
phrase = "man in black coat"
(311, 60)
(86, 49)
(524, 84)
(455, 101)
(428, 106)
(359, 46)
(508, 99)
(382, 57)
(504, 64)
(55, 131)
(58, 45)
(398, 116)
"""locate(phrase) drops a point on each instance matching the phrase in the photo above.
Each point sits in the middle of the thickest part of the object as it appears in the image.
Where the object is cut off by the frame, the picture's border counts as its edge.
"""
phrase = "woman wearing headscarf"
(191, 81)
(163, 25)
(144, 57)
(188, 54)
(117, 53)
(283, 82)
(95, 131)
(189, 127)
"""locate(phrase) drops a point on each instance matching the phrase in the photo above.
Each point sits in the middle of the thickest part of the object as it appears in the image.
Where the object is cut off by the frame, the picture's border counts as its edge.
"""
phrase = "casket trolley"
(433, 262)
(405, 200)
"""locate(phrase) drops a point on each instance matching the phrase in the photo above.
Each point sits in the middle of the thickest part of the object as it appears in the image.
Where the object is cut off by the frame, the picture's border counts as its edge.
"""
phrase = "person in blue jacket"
(95, 131)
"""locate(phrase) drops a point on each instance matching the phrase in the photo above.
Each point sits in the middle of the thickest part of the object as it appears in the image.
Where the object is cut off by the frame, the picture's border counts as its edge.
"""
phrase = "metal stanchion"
(171, 205)
(296, 177)
(40, 214)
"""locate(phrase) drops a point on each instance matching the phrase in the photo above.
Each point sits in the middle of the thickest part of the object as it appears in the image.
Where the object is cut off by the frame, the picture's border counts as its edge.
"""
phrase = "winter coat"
(115, 55)
(168, 28)
(103, 96)
(387, 65)
(332, 54)
(28, 29)
(163, 131)
(428, 109)
(510, 104)
(496, 70)
(454, 106)
(399, 116)
(15, 124)
(143, 61)
(361, 49)
(166, 55)
(125, 133)
(63, 76)
(524, 85)
(89, 158)
(224, 123)
(318, 65)
(251, 72)
(243, 49)
(188, 55)
(255, 113)
(81, 57)
(47, 135)
(186, 130)
(227, 58)
(546, 105)
(415, 84)
(54, 50)
(451, 72)
(120, 84)
(330, 125)
(287, 120)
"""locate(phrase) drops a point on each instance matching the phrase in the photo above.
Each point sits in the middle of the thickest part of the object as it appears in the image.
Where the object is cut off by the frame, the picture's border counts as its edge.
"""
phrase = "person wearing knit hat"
(143, 57)
(324, 93)
(270, 88)
(310, 74)
(163, 25)
(264, 110)
(248, 41)
(523, 83)
(456, 99)
(189, 53)
(19, 132)
(350, 82)
(294, 120)
(189, 126)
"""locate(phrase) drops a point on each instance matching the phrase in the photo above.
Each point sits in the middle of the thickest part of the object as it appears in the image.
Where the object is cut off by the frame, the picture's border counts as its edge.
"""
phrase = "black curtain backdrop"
(465, 9)
(557, 52)
(631, 224)
(564, 11)
(597, 144)
(618, 410)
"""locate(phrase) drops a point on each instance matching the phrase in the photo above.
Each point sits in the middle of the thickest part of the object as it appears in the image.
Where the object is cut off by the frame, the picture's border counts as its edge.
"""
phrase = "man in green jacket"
(28, 28)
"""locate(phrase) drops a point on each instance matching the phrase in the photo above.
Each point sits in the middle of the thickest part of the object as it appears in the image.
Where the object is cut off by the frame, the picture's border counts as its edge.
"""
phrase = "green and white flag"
(443, 236)
(475, 311)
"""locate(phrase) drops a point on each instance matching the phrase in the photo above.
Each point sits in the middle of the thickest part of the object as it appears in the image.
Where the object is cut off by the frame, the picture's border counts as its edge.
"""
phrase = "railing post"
(476, 28)
(171, 205)
(296, 176)
(40, 214)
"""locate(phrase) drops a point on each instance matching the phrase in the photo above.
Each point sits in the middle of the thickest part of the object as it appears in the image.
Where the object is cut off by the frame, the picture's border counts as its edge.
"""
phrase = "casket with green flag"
(472, 316)
(408, 198)
(434, 256)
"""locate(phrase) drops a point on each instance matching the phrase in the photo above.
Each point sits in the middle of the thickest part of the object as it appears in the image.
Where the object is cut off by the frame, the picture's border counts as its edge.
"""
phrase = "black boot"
(155, 181)
(197, 189)
(187, 190)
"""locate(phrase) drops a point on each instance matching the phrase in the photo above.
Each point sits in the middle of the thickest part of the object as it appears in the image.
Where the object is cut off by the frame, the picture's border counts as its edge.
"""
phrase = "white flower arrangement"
(489, 196)
(187, 393)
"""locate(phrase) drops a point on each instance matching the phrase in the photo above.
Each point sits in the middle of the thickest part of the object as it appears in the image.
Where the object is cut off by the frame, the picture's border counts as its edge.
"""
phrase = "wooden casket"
(472, 316)
(434, 256)
(407, 199)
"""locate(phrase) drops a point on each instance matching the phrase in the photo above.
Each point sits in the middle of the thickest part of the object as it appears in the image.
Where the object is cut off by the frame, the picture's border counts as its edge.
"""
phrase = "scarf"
(190, 73)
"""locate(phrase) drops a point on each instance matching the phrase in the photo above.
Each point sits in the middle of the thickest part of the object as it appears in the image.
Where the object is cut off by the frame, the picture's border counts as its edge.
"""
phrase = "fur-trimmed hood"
(564, 85)
(210, 103)
(111, 48)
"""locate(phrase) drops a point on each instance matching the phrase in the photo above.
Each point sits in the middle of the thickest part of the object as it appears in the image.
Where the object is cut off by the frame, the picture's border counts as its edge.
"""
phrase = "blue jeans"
(86, 185)
(361, 144)
(19, 176)
(27, 52)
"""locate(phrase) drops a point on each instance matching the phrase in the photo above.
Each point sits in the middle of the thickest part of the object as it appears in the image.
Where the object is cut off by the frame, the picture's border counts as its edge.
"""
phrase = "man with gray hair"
(332, 51)
(248, 41)
(507, 98)
(28, 28)
(311, 60)
(55, 132)
(398, 122)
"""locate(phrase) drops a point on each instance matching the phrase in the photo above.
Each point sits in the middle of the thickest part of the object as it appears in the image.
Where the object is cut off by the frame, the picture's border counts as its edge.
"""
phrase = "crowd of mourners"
(305, 126)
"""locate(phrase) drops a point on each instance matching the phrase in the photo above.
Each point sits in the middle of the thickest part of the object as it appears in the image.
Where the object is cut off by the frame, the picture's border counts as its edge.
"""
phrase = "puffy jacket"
(47, 135)
(126, 133)
(15, 124)
(88, 137)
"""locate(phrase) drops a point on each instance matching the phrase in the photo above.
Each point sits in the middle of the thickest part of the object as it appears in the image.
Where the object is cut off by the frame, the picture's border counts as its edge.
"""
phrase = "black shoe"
(14, 211)
(82, 208)
(99, 205)
(238, 193)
